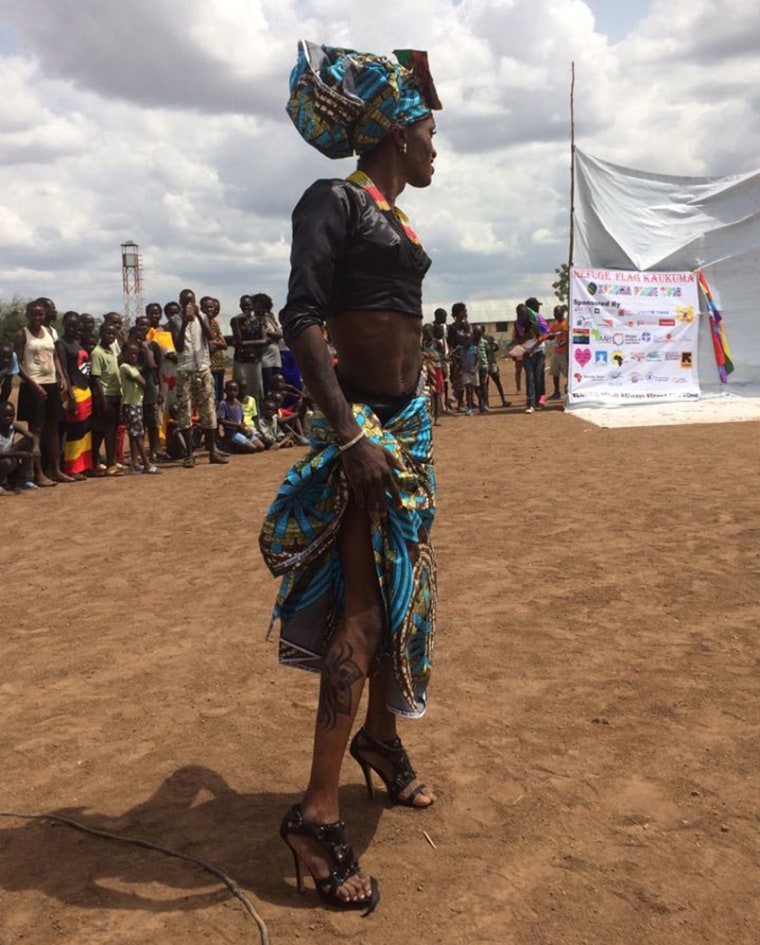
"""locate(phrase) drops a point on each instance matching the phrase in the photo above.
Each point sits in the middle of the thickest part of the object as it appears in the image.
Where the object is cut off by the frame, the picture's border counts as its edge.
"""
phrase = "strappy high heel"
(403, 773)
(332, 840)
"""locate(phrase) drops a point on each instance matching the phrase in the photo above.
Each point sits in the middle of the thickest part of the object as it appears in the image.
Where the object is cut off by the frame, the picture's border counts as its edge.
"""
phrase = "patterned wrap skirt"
(299, 543)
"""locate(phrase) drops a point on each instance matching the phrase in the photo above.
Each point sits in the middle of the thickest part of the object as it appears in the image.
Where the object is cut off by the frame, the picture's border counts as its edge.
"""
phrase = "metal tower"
(131, 275)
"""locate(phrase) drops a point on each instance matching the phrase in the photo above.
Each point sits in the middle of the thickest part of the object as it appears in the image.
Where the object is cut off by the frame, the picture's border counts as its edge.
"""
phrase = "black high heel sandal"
(332, 839)
(403, 773)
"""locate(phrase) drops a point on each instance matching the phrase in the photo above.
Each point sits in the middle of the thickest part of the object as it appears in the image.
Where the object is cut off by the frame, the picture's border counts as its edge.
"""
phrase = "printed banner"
(633, 337)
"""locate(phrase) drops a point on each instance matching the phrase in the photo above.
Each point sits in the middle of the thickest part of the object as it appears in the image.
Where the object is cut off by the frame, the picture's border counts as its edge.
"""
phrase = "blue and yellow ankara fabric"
(345, 102)
(299, 542)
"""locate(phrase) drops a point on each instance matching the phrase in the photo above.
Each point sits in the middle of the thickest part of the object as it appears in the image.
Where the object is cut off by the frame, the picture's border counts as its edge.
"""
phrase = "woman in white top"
(39, 396)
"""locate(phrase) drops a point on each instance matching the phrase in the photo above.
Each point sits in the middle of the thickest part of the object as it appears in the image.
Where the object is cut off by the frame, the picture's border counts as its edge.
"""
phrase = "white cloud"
(165, 123)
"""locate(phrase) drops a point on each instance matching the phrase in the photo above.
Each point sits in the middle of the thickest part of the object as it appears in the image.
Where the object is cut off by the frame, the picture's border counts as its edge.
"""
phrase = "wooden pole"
(572, 168)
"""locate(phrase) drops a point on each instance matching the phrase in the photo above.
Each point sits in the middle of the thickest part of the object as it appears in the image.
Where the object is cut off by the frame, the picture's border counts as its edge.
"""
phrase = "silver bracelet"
(342, 447)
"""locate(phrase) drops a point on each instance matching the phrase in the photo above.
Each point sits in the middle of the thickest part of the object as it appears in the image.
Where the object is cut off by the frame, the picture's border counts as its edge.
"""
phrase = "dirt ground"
(593, 731)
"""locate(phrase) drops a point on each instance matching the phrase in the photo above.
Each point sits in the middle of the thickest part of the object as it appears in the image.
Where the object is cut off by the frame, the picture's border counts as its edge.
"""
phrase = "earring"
(403, 148)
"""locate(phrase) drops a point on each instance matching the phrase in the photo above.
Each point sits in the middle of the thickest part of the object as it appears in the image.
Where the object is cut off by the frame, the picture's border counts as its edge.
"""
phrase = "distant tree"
(562, 285)
(12, 317)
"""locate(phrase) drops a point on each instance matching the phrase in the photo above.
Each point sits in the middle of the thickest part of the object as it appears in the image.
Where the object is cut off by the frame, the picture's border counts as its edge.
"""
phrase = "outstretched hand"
(369, 469)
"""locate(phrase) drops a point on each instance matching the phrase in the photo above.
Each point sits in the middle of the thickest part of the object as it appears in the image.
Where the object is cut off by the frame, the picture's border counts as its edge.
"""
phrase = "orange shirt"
(560, 338)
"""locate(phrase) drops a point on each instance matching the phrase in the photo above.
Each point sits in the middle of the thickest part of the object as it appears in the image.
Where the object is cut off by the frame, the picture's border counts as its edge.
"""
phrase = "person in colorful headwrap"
(349, 530)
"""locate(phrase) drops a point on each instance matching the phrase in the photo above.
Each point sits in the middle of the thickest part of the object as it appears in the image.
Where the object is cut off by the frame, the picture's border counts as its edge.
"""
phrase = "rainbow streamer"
(718, 335)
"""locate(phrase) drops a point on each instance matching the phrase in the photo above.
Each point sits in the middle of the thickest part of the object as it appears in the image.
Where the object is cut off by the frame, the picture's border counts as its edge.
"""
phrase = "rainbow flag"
(538, 319)
(717, 333)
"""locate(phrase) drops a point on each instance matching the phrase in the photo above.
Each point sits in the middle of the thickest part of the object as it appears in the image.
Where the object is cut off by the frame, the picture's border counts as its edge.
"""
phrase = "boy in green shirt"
(132, 394)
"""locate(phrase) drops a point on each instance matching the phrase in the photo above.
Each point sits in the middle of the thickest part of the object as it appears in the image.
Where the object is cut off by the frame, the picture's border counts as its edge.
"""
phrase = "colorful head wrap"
(344, 102)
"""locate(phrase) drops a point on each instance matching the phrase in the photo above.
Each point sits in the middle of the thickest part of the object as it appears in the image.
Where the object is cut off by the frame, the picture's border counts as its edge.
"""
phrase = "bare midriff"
(378, 351)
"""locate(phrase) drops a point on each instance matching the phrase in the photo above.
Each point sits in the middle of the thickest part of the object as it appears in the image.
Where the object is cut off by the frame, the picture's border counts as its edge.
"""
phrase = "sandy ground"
(593, 734)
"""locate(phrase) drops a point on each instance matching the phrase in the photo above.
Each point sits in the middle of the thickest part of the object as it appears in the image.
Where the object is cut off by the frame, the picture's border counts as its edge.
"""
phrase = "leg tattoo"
(339, 674)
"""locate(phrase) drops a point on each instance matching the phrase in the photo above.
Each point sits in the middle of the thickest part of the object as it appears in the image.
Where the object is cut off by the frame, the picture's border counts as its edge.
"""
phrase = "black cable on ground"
(147, 845)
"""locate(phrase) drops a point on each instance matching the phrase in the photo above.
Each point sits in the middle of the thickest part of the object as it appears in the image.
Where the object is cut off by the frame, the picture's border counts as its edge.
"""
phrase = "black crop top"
(347, 253)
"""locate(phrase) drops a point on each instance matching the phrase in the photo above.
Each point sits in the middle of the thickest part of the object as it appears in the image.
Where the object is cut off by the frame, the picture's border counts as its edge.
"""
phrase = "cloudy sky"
(163, 122)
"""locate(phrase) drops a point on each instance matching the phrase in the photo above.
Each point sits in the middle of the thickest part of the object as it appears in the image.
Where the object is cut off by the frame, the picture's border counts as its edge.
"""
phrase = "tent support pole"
(572, 167)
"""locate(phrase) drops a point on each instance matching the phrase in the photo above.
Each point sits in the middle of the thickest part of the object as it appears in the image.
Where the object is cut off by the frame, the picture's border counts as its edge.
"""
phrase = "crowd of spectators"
(85, 388)
(161, 384)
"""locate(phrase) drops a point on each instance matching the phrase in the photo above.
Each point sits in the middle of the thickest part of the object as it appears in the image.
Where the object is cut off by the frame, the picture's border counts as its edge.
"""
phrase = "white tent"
(629, 219)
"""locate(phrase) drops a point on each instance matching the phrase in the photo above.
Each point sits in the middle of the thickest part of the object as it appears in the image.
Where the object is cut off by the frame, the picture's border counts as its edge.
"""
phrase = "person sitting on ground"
(270, 432)
(175, 445)
(239, 437)
(17, 457)
(249, 405)
(106, 391)
(291, 407)
(133, 386)
(8, 368)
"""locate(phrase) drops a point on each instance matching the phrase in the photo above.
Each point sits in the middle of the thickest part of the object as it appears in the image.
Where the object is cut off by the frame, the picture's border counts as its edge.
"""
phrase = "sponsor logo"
(685, 314)
(654, 356)
(672, 356)
(666, 322)
(617, 358)
(646, 336)
(581, 337)
(637, 356)
(582, 356)
(634, 377)
(686, 359)
(600, 357)
(615, 378)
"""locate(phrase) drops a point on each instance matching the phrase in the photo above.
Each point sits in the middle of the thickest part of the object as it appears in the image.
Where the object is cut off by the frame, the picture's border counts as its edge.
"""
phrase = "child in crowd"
(238, 436)
(149, 364)
(106, 394)
(492, 356)
(290, 407)
(16, 456)
(482, 389)
(439, 333)
(432, 360)
(133, 391)
(8, 368)
(270, 432)
(249, 405)
(176, 447)
(469, 356)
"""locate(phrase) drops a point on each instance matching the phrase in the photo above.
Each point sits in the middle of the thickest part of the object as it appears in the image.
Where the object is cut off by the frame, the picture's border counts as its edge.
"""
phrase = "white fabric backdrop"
(630, 219)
